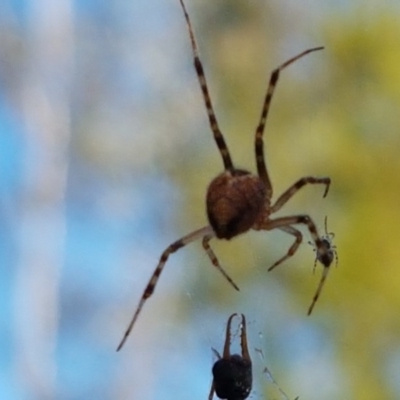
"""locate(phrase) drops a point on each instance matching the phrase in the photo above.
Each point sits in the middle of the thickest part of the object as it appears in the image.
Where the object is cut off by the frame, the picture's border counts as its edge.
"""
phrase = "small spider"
(232, 374)
(325, 259)
(236, 199)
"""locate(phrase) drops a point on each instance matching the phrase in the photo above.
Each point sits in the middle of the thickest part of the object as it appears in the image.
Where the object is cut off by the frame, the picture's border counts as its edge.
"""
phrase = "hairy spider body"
(232, 373)
(237, 200)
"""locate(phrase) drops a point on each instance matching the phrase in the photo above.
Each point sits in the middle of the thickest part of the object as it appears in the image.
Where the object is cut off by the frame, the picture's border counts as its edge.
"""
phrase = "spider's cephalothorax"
(232, 373)
(237, 200)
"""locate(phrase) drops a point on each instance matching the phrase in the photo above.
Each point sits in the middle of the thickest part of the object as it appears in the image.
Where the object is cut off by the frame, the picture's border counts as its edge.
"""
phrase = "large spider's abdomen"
(234, 202)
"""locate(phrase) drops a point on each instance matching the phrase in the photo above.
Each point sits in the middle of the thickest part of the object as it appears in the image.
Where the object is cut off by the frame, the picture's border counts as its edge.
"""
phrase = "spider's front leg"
(289, 193)
(259, 142)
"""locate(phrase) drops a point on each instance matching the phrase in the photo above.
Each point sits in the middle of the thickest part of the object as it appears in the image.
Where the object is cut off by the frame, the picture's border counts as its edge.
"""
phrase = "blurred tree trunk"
(44, 105)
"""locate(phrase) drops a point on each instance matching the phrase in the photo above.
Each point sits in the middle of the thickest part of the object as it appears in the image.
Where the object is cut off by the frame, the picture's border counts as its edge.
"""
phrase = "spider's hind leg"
(293, 248)
(215, 262)
(324, 275)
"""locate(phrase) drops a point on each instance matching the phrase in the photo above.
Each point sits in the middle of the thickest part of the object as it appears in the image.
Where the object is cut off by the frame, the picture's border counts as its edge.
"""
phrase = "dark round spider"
(325, 259)
(232, 374)
(238, 200)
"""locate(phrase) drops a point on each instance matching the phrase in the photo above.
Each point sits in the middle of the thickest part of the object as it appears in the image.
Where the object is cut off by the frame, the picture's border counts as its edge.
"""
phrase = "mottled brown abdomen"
(234, 201)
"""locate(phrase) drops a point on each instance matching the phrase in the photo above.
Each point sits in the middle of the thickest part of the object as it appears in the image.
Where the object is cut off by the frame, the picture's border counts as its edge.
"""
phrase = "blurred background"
(105, 157)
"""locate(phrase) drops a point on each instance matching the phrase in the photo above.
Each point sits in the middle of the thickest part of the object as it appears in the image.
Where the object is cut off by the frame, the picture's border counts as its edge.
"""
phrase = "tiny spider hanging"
(238, 200)
(325, 259)
(232, 373)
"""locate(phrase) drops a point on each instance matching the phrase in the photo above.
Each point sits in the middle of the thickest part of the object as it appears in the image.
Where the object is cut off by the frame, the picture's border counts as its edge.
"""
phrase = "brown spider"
(238, 200)
(232, 374)
(325, 259)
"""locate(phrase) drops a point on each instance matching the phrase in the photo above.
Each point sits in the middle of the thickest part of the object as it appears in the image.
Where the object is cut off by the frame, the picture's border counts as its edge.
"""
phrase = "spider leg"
(325, 272)
(212, 389)
(293, 248)
(285, 222)
(315, 261)
(210, 396)
(216, 353)
(336, 256)
(243, 340)
(289, 193)
(326, 226)
(151, 285)
(219, 139)
(215, 261)
(259, 145)
(226, 353)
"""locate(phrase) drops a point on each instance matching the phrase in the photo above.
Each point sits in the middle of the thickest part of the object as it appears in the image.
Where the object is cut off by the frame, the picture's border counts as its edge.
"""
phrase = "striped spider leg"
(326, 258)
(206, 233)
(237, 200)
(232, 373)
